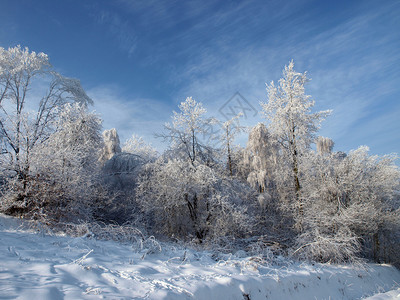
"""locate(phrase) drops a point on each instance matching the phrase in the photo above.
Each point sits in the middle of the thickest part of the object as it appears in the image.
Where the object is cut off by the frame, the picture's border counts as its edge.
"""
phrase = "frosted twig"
(81, 259)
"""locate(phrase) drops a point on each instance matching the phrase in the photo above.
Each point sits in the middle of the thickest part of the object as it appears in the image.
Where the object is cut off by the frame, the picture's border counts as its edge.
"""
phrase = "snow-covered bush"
(347, 201)
(137, 146)
(327, 245)
(191, 201)
(63, 176)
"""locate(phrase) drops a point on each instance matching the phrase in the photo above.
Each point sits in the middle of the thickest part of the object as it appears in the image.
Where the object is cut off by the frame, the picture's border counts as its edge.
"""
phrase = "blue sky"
(139, 59)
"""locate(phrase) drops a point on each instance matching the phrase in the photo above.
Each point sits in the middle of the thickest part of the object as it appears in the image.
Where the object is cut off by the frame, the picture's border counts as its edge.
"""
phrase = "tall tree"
(186, 131)
(230, 129)
(292, 122)
(65, 167)
(25, 118)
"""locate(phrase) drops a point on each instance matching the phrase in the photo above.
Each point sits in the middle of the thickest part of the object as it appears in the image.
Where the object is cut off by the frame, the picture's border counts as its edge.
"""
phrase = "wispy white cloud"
(353, 67)
(204, 52)
(120, 29)
(143, 117)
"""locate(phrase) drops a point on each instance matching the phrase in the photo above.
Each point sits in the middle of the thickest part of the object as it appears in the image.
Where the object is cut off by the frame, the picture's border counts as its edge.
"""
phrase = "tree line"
(276, 192)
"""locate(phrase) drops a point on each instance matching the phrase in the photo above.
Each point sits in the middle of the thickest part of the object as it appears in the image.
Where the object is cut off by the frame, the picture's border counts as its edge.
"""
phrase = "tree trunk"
(194, 217)
(230, 160)
(297, 186)
(376, 247)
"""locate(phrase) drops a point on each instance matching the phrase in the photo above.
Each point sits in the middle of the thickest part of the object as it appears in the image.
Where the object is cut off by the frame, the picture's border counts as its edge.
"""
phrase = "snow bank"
(37, 266)
(395, 294)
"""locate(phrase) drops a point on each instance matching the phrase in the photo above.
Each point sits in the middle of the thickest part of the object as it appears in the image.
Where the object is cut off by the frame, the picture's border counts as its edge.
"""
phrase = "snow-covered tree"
(186, 129)
(184, 192)
(262, 167)
(111, 144)
(230, 129)
(324, 145)
(260, 158)
(136, 145)
(64, 169)
(348, 200)
(27, 119)
(292, 123)
(185, 201)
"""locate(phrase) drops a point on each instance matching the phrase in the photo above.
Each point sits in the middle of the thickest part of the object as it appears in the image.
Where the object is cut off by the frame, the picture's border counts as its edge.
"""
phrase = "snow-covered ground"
(38, 266)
